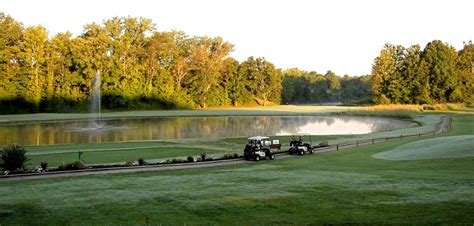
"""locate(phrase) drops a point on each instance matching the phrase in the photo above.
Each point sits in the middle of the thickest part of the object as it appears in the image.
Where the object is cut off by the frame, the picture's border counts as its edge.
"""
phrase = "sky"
(343, 36)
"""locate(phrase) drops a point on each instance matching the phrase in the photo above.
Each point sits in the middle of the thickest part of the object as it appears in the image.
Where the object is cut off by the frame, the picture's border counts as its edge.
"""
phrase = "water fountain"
(96, 124)
(95, 103)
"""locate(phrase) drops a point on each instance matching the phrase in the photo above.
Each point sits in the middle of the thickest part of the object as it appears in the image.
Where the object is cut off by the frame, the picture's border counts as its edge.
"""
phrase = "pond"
(166, 128)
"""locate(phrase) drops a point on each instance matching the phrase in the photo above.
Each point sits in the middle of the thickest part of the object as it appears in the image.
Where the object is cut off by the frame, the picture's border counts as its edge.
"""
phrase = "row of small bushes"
(231, 156)
(77, 164)
(14, 160)
(189, 159)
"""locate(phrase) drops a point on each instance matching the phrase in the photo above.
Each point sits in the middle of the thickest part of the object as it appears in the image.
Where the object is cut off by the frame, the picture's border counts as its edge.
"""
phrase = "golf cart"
(298, 146)
(260, 147)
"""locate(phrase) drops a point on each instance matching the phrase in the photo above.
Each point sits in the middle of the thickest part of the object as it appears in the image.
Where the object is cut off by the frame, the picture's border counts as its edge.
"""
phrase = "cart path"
(442, 127)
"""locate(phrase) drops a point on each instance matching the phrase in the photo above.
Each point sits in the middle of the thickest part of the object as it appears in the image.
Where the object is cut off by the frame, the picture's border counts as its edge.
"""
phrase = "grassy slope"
(440, 147)
(339, 187)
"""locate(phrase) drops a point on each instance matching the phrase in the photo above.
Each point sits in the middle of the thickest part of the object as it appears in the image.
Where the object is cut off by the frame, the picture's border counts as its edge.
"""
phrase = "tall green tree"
(465, 69)
(207, 56)
(388, 82)
(10, 67)
(231, 82)
(33, 57)
(264, 80)
(441, 64)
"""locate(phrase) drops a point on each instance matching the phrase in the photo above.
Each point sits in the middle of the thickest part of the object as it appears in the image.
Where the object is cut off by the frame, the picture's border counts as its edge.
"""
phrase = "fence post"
(419, 135)
(337, 147)
(386, 138)
(357, 143)
(401, 136)
(372, 140)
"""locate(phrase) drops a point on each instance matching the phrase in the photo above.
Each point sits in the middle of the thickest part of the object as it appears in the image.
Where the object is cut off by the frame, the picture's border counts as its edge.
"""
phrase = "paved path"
(125, 169)
(442, 127)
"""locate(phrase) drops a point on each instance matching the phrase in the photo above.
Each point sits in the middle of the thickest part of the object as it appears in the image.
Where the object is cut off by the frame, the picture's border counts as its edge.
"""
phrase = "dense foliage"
(436, 74)
(13, 158)
(311, 87)
(140, 67)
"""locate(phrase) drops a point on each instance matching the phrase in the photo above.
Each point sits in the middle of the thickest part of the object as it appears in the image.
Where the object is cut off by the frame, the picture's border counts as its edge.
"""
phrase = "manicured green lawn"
(435, 148)
(107, 157)
(348, 186)
(151, 151)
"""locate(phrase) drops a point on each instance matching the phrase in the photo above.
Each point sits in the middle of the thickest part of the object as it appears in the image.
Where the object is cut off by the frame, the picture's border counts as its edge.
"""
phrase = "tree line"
(300, 87)
(140, 68)
(436, 74)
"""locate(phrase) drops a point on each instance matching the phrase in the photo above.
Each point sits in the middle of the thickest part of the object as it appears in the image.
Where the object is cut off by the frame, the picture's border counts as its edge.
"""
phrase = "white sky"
(315, 35)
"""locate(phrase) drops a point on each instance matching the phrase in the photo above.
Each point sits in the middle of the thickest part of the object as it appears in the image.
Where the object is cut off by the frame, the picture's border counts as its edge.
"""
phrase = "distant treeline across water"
(142, 68)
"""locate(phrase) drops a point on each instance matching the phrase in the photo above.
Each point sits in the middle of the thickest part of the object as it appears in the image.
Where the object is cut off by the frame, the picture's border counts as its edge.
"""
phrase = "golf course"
(236, 113)
(426, 180)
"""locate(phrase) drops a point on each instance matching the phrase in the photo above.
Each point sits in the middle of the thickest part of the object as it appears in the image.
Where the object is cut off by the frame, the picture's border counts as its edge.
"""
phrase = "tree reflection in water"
(192, 127)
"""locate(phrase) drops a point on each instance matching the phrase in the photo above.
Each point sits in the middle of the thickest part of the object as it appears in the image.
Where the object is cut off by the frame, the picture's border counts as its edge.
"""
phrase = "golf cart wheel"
(311, 151)
(257, 158)
(301, 152)
(272, 156)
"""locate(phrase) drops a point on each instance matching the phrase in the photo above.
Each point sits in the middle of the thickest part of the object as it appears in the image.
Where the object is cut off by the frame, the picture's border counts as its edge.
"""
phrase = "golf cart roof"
(258, 138)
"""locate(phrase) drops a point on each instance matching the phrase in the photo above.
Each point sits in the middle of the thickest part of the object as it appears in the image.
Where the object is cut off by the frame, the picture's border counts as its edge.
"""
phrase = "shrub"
(177, 160)
(441, 107)
(141, 162)
(78, 164)
(428, 107)
(382, 100)
(44, 165)
(323, 144)
(62, 166)
(231, 156)
(203, 156)
(129, 163)
(190, 159)
(13, 158)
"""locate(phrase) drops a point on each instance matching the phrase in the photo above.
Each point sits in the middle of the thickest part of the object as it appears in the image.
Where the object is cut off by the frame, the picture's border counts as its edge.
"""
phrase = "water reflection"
(192, 127)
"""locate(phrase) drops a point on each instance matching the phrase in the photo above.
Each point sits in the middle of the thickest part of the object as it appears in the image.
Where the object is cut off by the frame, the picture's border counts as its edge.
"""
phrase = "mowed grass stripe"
(441, 147)
(122, 156)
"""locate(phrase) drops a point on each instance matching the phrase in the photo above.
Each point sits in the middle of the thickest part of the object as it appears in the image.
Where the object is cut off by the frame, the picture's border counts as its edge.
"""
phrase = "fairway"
(348, 186)
(339, 187)
(442, 147)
